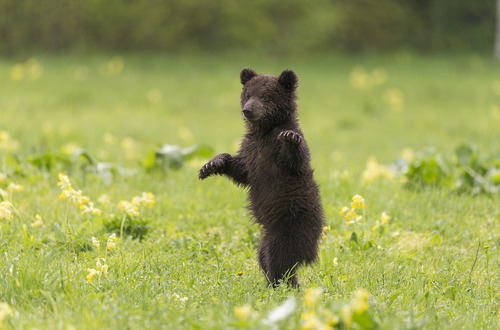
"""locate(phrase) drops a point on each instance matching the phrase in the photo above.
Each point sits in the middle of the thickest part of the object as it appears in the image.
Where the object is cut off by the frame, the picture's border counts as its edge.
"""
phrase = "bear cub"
(274, 163)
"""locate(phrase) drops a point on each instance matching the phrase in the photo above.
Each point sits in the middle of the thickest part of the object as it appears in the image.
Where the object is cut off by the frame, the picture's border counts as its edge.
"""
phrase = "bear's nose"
(247, 111)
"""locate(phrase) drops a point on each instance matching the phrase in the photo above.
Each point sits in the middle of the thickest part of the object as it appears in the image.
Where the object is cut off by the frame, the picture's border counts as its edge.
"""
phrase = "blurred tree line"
(272, 25)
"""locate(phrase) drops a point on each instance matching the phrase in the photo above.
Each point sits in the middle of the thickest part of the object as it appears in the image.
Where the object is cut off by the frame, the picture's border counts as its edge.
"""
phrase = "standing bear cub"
(274, 163)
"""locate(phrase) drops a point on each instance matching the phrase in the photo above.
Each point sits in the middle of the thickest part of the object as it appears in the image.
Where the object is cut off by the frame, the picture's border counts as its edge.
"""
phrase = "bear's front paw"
(291, 137)
(215, 166)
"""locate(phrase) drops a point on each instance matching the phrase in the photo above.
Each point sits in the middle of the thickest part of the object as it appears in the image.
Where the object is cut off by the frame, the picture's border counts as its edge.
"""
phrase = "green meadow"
(417, 137)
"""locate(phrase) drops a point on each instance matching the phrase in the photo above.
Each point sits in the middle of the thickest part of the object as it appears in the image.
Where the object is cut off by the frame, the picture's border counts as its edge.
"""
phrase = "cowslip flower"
(178, 298)
(359, 302)
(146, 199)
(12, 187)
(104, 199)
(358, 202)
(64, 182)
(7, 143)
(104, 270)
(38, 222)
(245, 312)
(351, 214)
(5, 311)
(110, 245)
(325, 228)
(98, 264)
(90, 209)
(74, 196)
(384, 217)
(6, 210)
(96, 242)
(92, 273)
(312, 296)
(129, 208)
(311, 322)
(344, 210)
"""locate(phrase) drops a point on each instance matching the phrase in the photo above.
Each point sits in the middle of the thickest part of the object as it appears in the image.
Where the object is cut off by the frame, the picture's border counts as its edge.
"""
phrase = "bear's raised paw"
(291, 137)
(215, 166)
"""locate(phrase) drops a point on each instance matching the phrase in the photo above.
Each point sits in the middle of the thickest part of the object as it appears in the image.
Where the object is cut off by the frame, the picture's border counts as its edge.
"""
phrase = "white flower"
(281, 312)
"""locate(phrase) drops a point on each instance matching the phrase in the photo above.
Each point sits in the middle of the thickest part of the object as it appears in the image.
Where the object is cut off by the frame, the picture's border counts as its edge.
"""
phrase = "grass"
(432, 265)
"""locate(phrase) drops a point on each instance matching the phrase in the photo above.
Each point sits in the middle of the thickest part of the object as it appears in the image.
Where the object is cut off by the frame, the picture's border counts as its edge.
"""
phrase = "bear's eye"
(265, 98)
(247, 97)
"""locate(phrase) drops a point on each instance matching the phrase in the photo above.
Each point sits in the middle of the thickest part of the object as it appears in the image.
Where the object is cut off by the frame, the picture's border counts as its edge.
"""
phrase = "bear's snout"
(247, 112)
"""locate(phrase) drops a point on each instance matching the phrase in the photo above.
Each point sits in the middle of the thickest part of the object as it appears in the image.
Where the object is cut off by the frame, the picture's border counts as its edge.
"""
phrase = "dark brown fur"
(274, 163)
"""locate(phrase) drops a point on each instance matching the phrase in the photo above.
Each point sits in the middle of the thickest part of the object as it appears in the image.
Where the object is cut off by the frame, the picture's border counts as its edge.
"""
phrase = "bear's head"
(268, 101)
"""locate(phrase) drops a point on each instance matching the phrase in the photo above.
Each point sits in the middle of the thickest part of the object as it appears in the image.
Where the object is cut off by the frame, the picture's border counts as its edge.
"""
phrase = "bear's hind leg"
(283, 264)
(263, 256)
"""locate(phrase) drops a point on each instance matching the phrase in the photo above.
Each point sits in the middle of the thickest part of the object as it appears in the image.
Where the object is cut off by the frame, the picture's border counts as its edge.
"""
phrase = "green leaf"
(363, 320)
(354, 237)
(82, 153)
(464, 154)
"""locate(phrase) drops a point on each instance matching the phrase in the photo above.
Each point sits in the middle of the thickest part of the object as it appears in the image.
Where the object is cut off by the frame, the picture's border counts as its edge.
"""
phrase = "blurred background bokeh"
(291, 27)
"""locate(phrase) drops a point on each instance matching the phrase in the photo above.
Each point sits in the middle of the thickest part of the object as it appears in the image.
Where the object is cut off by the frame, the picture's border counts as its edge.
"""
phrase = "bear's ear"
(289, 80)
(247, 74)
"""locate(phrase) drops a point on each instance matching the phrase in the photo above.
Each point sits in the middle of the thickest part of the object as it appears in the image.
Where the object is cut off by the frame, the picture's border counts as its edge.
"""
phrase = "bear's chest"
(262, 163)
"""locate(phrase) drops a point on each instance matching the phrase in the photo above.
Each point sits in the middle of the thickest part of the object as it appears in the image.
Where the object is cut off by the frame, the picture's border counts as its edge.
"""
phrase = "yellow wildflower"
(17, 72)
(92, 273)
(359, 78)
(344, 210)
(96, 242)
(147, 199)
(69, 148)
(384, 217)
(98, 265)
(352, 215)
(245, 312)
(374, 170)
(74, 196)
(395, 99)
(38, 222)
(4, 194)
(178, 298)
(312, 296)
(14, 187)
(64, 182)
(90, 209)
(129, 208)
(109, 139)
(6, 210)
(329, 318)
(5, 311)
(104, 270)
(359, 302)
(7, 143)
(110, 245)
(358, 202)
(325, 228)
(104, 199)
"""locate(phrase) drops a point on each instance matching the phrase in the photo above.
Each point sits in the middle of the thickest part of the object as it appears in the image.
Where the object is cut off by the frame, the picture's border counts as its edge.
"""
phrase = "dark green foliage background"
(274, 26)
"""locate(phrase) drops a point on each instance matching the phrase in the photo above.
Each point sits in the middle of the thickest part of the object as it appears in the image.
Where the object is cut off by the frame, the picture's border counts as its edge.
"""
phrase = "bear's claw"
(291, 137)
(212, 167)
